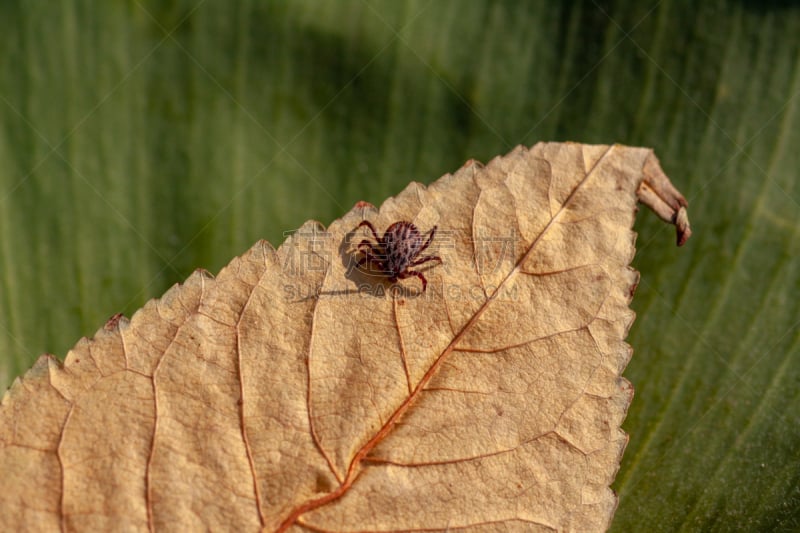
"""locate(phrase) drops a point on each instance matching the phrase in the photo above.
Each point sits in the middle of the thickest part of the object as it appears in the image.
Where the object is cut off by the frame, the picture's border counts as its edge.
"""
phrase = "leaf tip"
(659, 194)
(682, 225)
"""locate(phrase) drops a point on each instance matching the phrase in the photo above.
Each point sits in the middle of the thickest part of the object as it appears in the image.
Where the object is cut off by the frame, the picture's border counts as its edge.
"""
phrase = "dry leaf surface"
(296, 392)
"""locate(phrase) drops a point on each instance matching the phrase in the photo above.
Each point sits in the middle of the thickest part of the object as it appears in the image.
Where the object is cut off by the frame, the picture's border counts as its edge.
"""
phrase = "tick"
(398, 250)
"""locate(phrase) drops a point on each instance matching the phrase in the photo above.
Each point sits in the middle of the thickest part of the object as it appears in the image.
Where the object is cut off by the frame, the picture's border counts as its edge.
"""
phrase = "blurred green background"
(141, 140)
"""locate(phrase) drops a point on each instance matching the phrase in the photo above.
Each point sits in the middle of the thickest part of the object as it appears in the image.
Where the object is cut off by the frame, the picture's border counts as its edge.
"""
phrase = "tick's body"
(397, 251)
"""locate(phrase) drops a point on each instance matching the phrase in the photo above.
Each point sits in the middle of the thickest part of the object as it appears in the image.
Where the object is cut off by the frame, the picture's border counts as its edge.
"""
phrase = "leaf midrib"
(385, 430)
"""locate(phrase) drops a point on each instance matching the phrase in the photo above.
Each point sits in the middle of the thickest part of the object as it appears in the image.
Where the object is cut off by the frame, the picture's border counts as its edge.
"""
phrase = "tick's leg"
(368, 224)
(374, 250)
(432, 232)
(369, 259)
(426, 259)
(409, 273)
(366, 243)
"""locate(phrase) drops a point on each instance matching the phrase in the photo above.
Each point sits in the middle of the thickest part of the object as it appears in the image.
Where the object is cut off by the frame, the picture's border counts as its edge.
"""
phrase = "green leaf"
(142, 140)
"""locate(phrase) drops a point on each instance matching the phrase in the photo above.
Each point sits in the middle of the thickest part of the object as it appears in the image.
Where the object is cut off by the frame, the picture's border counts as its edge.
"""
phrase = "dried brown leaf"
(295, 392)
